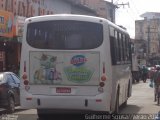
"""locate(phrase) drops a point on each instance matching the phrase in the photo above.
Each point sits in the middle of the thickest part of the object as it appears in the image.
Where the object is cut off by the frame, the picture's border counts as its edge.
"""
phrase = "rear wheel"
(124, 104)
(41, 114)
(45, 114)
(49, 114)
(11, 105)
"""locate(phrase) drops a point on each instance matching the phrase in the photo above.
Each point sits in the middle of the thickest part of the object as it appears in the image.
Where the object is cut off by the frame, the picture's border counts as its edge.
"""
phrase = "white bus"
(74, 62)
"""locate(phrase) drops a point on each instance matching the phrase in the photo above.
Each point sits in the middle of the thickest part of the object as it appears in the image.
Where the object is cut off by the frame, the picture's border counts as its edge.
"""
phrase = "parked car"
(9, 91)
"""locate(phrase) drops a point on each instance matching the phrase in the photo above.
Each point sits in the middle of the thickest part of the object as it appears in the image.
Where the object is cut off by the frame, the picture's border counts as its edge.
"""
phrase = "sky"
(126, 15)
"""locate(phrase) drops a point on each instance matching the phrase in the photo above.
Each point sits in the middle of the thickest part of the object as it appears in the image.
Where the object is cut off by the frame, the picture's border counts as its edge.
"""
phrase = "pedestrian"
(144, 73)
(151, 73)
(156, 79)
(151, 76)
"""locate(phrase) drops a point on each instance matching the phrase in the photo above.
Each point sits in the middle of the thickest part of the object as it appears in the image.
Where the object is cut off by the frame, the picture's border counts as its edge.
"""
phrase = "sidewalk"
(142, 100)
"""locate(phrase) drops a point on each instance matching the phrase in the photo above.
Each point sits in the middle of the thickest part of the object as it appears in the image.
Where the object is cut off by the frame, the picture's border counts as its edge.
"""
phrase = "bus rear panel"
(62, 66)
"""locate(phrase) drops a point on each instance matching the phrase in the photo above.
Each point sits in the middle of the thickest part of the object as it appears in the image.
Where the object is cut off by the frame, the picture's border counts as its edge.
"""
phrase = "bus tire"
(41, 114)
(116, 111)
(128, 90)
(124, 104)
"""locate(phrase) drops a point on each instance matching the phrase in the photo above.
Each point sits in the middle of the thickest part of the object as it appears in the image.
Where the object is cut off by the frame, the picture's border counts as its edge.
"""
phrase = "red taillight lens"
(98, 100)
(24, 69)
(26, 82)
(24, 77)
(28, 98)
(101, 84)
(104, 69)
(103, 78)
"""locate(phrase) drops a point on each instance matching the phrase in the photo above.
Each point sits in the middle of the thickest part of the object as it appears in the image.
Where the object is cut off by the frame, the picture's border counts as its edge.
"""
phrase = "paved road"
(142, 100)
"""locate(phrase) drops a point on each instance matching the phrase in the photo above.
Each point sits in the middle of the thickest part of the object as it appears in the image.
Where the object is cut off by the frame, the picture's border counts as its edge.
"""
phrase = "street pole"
(148, 51)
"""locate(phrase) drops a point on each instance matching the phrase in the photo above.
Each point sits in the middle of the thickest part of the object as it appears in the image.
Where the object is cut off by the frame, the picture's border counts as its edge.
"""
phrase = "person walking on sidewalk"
(151, 73)
(156, 79)
(144, 73)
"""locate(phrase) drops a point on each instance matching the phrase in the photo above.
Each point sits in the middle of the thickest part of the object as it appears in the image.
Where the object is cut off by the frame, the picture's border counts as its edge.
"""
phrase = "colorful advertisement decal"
(47, 71)
(63, 68)
(78, 60)
(78, 72)
(6, 24)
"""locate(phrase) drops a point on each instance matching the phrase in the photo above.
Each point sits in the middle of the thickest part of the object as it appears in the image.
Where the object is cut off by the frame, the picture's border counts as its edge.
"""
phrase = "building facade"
(103, 8)
(147, 36)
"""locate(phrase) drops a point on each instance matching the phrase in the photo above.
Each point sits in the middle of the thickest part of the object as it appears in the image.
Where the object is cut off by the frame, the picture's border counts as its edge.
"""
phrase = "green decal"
(78, 74)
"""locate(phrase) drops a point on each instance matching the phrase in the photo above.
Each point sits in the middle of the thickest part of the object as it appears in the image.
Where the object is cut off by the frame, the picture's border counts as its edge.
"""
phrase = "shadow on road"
(134, 108)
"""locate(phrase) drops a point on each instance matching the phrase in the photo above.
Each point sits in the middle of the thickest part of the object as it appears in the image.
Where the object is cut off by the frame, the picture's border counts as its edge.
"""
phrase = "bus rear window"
(65, 35)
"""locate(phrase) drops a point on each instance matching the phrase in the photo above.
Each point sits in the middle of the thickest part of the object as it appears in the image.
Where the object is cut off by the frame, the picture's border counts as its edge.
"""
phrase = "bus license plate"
(63, 90)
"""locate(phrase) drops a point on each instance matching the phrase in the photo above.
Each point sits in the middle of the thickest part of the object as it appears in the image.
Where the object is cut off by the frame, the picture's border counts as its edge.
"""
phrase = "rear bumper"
(72, 103)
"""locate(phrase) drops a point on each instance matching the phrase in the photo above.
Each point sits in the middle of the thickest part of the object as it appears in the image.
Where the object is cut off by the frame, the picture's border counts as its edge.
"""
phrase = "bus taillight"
(104, 69)
(101, 84)
(100, 89)
(24, 69)
(24, 77)
(98, 100)
(26, 82)
(27, 87)
(29, 98)
(103, 78)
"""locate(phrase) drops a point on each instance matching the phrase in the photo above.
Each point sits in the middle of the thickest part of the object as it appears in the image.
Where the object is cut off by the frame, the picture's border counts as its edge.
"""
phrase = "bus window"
(73, 41)
(112, 46)
(66, 35)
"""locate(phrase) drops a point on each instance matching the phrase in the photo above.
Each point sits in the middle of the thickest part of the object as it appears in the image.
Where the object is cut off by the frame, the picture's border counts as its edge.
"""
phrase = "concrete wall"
(59, 6)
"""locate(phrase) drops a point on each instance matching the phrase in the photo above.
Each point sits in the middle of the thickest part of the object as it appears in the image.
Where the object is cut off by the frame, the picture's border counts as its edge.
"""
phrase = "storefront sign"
(6, 24)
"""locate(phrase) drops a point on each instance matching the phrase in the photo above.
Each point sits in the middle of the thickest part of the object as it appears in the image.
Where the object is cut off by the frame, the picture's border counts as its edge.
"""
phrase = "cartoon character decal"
(47, 73)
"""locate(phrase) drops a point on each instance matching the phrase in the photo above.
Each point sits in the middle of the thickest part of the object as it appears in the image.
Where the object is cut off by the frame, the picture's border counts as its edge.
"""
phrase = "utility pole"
(148, 31)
